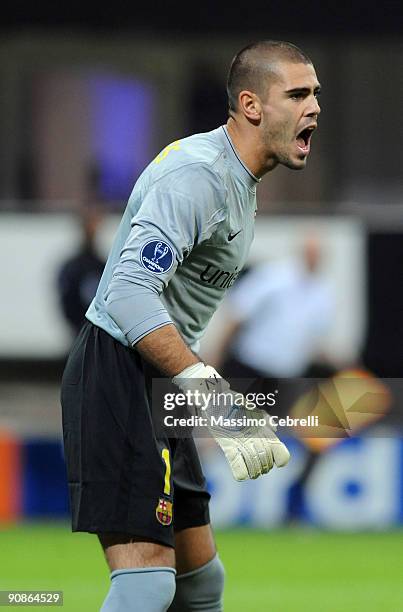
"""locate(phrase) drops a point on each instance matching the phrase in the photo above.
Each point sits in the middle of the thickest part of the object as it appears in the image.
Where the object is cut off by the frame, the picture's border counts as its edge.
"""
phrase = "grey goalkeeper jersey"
(182, 241)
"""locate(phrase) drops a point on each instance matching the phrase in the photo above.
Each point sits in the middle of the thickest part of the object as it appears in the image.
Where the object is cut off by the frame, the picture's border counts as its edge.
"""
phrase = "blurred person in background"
(79, 276)
(277, 318)
(183, 239)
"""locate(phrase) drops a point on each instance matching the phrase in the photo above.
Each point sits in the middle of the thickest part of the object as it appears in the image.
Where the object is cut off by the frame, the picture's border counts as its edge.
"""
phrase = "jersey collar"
(237, 164)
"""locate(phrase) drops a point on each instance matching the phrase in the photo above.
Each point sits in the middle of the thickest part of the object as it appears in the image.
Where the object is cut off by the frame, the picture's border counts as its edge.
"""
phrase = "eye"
(297, 96)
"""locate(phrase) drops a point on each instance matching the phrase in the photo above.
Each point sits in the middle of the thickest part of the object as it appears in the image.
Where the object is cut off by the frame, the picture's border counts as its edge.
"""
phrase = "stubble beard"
(277, 139)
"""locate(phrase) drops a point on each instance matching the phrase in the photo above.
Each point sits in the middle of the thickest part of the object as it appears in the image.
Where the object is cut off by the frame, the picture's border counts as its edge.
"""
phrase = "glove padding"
(251, 450)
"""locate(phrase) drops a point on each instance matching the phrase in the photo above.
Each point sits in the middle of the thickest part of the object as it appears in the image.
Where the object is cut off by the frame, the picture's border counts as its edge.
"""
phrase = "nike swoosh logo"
(232, 236)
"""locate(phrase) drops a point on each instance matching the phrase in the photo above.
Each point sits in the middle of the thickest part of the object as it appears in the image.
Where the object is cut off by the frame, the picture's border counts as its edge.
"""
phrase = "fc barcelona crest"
(163, 511)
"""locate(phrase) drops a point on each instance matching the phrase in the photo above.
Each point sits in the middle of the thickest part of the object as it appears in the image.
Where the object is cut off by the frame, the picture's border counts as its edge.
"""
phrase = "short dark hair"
(253, 64)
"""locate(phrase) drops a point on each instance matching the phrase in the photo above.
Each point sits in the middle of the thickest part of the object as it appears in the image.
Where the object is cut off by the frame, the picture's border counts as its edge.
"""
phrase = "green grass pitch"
(287, 570)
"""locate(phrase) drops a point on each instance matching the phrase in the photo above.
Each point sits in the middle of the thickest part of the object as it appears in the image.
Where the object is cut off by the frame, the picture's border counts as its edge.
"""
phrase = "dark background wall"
(314, 18)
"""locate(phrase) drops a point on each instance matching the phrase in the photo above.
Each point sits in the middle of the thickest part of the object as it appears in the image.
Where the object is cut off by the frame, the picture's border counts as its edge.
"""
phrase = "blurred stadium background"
(87, 100)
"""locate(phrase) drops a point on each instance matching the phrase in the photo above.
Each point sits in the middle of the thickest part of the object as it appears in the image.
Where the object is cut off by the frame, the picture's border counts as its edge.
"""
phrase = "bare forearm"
(165, 350)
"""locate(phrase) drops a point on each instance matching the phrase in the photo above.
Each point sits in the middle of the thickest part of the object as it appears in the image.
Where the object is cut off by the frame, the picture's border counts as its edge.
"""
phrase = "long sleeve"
(168, 225)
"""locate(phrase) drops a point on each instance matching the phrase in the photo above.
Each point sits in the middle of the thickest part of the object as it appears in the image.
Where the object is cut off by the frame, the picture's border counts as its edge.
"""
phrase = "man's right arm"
(250, 453)
(165, 349)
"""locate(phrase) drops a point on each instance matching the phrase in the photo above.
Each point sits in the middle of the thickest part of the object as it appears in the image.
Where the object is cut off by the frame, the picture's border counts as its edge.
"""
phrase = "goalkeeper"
(183, 239)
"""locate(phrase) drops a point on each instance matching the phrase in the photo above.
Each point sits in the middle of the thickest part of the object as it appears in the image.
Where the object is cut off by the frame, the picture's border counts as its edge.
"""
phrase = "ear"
(249, 105)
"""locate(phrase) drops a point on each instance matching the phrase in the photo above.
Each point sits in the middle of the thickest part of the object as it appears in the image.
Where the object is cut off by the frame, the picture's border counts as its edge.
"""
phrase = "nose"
(314, 108)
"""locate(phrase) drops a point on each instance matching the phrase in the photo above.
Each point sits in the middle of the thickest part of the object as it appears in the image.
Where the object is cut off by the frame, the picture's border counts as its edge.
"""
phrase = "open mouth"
(304, 139)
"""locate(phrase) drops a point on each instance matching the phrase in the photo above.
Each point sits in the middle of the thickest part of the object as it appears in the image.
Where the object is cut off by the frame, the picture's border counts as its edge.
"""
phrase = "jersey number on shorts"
(167, 461)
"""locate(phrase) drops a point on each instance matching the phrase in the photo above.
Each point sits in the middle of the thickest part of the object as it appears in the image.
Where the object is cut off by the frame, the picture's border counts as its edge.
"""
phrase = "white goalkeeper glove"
(250, 450)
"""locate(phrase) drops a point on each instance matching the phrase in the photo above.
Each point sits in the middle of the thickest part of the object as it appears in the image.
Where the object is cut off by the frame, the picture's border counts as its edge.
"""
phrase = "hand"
(251, 448)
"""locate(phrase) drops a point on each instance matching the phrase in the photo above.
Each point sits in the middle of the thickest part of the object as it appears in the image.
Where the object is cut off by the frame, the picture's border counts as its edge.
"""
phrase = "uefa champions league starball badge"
(157, 256)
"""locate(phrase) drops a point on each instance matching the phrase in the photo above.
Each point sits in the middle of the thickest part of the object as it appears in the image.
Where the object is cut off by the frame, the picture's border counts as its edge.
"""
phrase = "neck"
(250, 148)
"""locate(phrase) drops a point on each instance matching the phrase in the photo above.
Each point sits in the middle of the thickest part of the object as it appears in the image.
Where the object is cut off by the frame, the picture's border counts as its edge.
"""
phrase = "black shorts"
(122, 476)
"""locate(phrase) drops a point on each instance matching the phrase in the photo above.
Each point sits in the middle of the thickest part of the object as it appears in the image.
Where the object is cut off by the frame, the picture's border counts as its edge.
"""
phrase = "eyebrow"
(303, 90)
